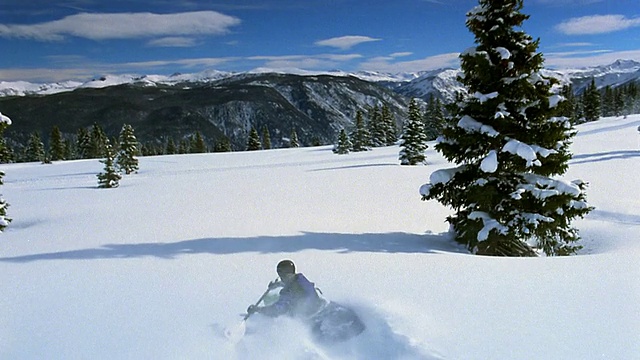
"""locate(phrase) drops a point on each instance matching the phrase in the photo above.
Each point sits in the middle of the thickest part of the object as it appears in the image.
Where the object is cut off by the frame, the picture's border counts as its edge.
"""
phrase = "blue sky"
(55, 40)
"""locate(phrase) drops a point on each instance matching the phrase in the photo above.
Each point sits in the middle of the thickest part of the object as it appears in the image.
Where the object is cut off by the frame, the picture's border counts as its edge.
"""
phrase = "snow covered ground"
(157, 268)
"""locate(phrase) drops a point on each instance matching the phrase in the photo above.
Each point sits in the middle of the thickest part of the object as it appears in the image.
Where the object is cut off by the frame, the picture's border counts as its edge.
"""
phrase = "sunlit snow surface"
(159, 267)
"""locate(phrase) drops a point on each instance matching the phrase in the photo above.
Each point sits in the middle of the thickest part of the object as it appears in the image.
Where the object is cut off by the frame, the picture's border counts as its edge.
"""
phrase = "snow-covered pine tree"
(294, 142)
(344, 145)
(507, 145)
(126, 158)
(110, 178)
(4, 220)
(360, 136)
(413, 142)
(254, 140)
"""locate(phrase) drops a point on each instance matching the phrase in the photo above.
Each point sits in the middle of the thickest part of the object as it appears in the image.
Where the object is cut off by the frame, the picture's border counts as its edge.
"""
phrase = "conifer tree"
(377, 128)
(56, 145)
(294, 143)
(171, 147)
(99, 139)
(83, 143)
(35, 148)
(591, 102)
(198, 145)
(266, 138)
(4, 219)
(224, 145)
(360, 135)
(126, 158)
(344, 145)
(507, 145)
(389, 123)
(254, 140)
(434, 118)
(110, 178)
(413, 142)
(185, 146)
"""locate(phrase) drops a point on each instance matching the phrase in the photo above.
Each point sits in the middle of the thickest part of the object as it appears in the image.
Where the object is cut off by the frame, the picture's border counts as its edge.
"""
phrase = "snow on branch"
(489, 224)
(471, 125)
(4, 119)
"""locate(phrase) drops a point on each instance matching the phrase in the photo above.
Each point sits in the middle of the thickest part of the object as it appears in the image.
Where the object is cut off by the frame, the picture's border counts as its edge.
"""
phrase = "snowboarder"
(298, 297)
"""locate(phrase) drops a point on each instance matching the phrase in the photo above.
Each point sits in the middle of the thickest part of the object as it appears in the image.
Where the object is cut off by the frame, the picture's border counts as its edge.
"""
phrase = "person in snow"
(298, 296)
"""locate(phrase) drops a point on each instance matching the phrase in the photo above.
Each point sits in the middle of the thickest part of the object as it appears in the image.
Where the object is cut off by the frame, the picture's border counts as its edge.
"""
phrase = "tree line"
(594, 103)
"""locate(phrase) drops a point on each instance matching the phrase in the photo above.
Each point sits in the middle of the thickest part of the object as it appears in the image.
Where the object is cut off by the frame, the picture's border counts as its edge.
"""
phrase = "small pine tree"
(344, 145)
(266, 138)
(294, 143)
(433, 118)
(83, 143)
(224, 145)
(35, 148)
(126, 158)
(377, 128)
(591, 102)
(253, 142)
(171, 147)
(98, 141)
(198, 146)
(414, 141)
(110, 178)
(4, 220)
(360, 135)
(389, 125)
(56, 145)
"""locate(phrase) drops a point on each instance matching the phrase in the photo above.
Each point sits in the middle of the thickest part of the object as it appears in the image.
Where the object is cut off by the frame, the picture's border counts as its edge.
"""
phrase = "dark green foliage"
(377, 128)
(35, 149)
(266, 138)
(254, 140)
(126, 158)
(110, 178)
(344, 145)
(389, 125)
(4, 220)
(198, 146)
(434, 119)
(414, 141)
(56, 145)
(591, 103)
(171, 147)
(223, 145)
(507, 144)
(360, 137)
(98, 142)
(293, 140)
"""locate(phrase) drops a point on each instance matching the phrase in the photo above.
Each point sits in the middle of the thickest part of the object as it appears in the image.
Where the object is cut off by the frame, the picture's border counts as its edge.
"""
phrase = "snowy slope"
(156, 268)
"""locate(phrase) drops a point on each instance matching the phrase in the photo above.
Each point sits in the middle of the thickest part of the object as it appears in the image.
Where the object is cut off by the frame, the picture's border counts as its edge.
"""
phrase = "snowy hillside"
(158, 267)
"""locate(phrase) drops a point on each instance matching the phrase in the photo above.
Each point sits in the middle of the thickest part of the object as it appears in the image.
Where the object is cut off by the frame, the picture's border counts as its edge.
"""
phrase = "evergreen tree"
(4, 219)
(56, 145)
(198, 145)
(360, 135)
(126, 158)
(507, 145)
(185, 146)
(591, 102)
(99, 139)
(414, 140)
(389, 124)
(434, 118)
(377, 128)
(110, 178)
(266, 138)
(344, 145)
(224, 145)
(568, 107)
(35, 149)
(171, 147)
(294, 143)
(254, 140)
(83, 143)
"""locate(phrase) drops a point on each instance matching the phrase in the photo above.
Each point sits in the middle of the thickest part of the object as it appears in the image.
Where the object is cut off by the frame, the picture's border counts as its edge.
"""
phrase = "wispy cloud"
(597, 24)
(345, 42)
(400, 54)
(124, 26)
(319, 61)
(578, 59)
(386, 64)
(173, 41)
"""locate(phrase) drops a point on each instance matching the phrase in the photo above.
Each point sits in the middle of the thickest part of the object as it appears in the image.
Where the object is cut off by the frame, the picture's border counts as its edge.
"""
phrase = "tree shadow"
(603, 156)
(333, 242)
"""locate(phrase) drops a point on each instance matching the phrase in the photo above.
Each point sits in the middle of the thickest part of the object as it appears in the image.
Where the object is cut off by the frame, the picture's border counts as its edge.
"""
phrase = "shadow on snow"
(339, 243)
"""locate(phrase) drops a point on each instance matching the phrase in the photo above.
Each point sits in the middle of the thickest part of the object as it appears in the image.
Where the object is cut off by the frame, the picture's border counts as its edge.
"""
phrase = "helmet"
(286, 267)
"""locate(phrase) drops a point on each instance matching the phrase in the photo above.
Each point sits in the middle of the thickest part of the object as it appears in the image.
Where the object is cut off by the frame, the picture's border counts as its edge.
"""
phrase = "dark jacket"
(298, 298)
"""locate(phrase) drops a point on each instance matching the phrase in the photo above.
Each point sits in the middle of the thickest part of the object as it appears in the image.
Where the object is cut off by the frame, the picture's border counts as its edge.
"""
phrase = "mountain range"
(222, 104)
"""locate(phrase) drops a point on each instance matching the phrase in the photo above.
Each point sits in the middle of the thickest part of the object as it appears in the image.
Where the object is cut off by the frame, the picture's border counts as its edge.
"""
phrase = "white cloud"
(385, 64)
(173, 41)
(124, 26)
(400, 54)
(320, 61)
(597, 24)
(345, 42)
(580, 59)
